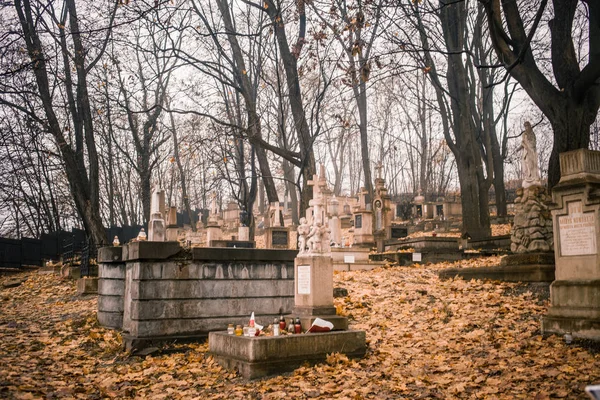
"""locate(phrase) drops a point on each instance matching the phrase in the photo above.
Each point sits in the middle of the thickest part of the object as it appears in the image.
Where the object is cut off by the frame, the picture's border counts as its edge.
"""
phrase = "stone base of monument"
(71, 272)
(353, 259)
(87, 285)
(525, 267)
(575, 308)
(255, 357)
(307, 316)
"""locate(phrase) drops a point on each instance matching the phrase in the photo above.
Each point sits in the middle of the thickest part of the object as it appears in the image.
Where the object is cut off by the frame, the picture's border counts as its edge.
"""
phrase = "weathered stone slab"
(110, 319)
(261, 356)
(111, 271)
(232, 255)
(203, 308)
(150, 250)
(87, 285)
(113, 304)
(528, 258)
(235, 244)
(188, 289)
(110, 254)
(111, 287)
(218, 270)
(494, 242)
(425, 244)
(512, 273)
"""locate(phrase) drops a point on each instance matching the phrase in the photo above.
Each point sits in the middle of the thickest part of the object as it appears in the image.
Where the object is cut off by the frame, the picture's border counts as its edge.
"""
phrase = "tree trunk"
(81, 188)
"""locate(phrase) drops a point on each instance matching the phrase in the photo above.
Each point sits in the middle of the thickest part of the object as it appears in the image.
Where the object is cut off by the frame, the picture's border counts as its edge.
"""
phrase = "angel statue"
(529, 159)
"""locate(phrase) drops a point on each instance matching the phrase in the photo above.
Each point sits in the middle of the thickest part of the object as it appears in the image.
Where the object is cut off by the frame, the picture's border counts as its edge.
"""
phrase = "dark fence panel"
(10, 253)
(69, 246)
(31, 252)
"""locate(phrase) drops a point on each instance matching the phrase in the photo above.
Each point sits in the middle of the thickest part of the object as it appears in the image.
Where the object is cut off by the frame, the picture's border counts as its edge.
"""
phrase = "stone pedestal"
(575, 294)
(255, 357)
(213, 232)
(87, 285)
(335, 226)
(243, 233)
(156, 229)
(363, 228)
(111, 286)
(313, 291)
(532, 228)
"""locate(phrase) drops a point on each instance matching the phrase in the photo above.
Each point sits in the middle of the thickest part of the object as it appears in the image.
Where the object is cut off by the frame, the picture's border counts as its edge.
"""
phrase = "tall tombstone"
(277, 236)
(313, 272)
(335, 224)
(363, 222)
(575, 294)
(419, 202)
(382, 207)
(156, 225)
(172, 228)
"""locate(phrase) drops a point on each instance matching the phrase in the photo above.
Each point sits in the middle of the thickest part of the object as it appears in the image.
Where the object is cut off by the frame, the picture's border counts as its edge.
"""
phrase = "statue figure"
(213, 203)
(315, 238)
(529, 159)
(303, 230)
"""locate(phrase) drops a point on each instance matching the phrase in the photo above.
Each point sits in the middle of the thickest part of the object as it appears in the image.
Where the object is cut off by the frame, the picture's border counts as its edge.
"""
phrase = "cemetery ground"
(427, 338)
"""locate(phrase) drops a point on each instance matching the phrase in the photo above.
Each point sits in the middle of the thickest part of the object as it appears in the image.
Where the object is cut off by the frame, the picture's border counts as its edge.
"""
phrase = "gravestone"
(156, 227)
(276, 234)
(172, 228)
(363, 222)
(574, 294)
(335, 224)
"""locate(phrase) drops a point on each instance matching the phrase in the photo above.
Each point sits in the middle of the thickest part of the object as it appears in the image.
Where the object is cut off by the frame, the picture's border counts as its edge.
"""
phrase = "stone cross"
(379, 167)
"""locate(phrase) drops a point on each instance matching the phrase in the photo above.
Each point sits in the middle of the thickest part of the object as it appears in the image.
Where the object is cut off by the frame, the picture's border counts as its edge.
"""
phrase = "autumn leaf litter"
(427, 338)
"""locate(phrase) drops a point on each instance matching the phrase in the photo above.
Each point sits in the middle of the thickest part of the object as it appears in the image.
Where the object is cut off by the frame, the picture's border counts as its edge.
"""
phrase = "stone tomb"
(156, 292)
(575, 294)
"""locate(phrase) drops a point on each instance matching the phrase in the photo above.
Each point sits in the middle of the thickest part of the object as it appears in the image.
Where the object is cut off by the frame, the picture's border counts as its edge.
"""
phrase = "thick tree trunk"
(473, 185)
(475, 222)
(571, 128)
(146, 189)
(305, 139)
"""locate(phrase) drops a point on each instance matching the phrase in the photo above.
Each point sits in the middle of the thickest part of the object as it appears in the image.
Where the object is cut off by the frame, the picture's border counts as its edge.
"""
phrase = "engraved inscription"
(358, 221)
(577, 231)
(280, 238)
(303, 283)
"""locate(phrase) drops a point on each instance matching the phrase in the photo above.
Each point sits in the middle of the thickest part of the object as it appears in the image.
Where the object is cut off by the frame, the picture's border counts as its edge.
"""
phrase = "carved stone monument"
(363, 222)
(314, 272)
(532, 227)
(156, 226)
(277, 236)
(213, 226)
(172, 228)
(531, 237)
(575, 294)
(382, 210)
(335, 224)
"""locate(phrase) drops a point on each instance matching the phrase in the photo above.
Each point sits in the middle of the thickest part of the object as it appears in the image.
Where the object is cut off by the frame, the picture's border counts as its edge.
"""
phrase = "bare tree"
(571, 97)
